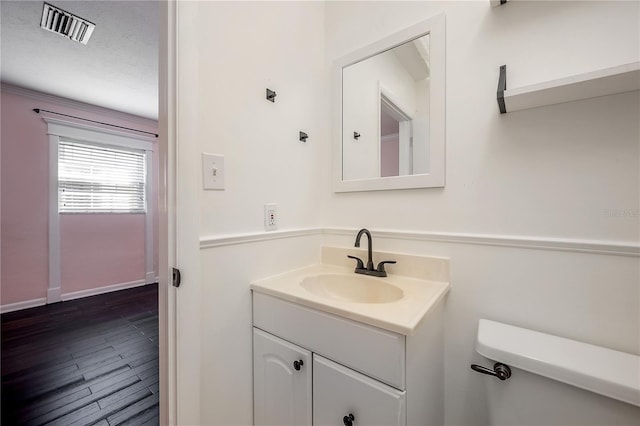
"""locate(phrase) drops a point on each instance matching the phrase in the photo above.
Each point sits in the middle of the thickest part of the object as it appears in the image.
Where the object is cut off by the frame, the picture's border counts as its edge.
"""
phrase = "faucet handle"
(381, 265)
(360, 264)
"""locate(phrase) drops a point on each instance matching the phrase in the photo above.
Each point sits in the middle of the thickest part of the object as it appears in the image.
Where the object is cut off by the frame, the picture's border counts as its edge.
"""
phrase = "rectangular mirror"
(389, 127)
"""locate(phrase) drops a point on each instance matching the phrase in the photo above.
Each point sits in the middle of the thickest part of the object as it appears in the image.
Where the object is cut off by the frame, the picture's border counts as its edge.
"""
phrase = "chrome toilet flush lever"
(369, 269)
(500, 370)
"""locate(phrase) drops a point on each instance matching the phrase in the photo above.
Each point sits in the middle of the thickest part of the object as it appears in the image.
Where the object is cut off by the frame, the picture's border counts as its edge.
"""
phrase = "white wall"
(227, 351)
(553, 172)
(228, 54)
(573, 161)
(247, 48)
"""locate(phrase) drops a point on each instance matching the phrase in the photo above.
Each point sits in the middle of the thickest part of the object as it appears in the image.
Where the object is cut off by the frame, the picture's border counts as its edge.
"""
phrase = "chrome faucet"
(369, 270)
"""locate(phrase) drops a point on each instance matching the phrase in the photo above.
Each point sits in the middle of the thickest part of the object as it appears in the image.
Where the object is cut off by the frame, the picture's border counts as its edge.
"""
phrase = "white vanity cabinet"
(377, 376)
(281, 381)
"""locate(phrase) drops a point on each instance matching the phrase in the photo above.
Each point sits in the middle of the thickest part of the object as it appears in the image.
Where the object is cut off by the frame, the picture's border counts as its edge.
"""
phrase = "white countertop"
(401, 316)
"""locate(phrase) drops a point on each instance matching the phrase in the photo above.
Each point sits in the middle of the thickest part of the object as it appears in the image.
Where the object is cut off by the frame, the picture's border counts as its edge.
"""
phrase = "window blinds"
(97, 179)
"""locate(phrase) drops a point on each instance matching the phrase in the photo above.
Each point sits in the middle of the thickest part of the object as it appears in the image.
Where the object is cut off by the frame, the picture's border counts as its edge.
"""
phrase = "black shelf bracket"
(502, 86)
(271, 95)
(303, 137)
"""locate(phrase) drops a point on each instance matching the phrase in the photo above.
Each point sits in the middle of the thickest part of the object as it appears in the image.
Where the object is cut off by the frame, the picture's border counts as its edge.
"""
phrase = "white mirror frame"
(435, 27)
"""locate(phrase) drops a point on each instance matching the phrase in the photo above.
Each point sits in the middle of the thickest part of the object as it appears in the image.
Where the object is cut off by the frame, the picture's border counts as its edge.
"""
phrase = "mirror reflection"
(385, 122)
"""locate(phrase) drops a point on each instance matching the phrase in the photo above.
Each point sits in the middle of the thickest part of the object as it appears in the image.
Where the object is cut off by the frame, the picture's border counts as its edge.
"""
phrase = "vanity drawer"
(340, 392)
(372, 351)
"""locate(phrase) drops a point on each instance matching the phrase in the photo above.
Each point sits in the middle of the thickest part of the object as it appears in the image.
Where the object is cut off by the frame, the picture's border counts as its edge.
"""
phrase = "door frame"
(166, 212)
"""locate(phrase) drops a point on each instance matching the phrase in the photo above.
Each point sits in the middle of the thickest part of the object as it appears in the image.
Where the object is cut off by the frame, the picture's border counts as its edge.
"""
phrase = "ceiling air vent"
(66, 24)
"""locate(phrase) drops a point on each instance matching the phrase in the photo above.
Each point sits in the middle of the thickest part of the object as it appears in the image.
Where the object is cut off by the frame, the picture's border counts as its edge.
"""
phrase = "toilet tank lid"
(601, 370)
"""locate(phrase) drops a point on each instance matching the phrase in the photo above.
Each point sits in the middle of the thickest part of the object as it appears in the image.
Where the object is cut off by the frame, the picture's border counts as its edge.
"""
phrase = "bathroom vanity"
(334, 348)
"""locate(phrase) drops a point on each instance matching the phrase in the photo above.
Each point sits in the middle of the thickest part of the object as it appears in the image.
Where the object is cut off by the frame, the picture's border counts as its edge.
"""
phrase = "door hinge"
(176, 277)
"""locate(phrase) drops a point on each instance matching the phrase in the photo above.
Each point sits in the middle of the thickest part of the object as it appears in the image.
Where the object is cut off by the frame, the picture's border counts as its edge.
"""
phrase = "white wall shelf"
(601, 370)
(608, 81)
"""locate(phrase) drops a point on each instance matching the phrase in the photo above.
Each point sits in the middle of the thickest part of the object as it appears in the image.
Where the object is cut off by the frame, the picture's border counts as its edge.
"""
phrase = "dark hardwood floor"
(92, 361)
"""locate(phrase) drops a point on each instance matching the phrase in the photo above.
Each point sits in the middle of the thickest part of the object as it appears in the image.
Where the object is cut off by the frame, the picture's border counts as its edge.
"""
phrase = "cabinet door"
(340, 392)
(281, 382)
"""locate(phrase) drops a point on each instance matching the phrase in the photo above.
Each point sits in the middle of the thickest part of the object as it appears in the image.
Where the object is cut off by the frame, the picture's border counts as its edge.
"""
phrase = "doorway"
(84, 295)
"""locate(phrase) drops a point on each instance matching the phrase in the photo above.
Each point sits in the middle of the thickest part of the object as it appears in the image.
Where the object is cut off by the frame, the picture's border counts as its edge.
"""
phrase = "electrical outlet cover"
(270, 217)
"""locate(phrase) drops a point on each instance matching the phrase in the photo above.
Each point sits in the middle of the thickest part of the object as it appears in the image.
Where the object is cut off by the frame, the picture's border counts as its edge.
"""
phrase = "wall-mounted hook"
(303, 137)
(271, 95)
(500, 370)
(356, 135)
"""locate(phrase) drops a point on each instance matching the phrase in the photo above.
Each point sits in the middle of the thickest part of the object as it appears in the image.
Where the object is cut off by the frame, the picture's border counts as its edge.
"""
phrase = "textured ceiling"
(118, 69)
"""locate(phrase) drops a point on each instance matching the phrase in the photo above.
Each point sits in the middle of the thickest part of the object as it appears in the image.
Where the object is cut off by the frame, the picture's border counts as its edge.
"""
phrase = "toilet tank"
(557, 381)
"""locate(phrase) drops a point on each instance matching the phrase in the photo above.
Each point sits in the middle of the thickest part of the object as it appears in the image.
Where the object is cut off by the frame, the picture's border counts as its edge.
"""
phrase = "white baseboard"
(101, 290)
(10, 307)
(54, 295)
(151, 278)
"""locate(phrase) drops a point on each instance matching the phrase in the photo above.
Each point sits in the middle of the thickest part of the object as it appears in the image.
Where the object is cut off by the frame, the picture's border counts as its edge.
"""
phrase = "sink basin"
(352, 288)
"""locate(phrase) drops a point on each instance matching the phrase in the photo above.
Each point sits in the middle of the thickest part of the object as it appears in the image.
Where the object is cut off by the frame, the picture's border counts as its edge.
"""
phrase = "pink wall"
(96, 250)
(24, 192)
(100, 250)
(390, 158)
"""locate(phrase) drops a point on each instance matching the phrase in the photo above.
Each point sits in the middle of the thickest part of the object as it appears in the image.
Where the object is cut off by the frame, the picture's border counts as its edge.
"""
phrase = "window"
(100, 179)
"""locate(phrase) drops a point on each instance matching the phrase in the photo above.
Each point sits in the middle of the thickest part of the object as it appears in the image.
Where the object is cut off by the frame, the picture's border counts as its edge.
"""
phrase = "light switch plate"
(212, 171)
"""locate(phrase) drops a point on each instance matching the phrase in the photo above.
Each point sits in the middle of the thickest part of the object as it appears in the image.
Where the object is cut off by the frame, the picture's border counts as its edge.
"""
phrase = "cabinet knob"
(297, 365)
(348, 420)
